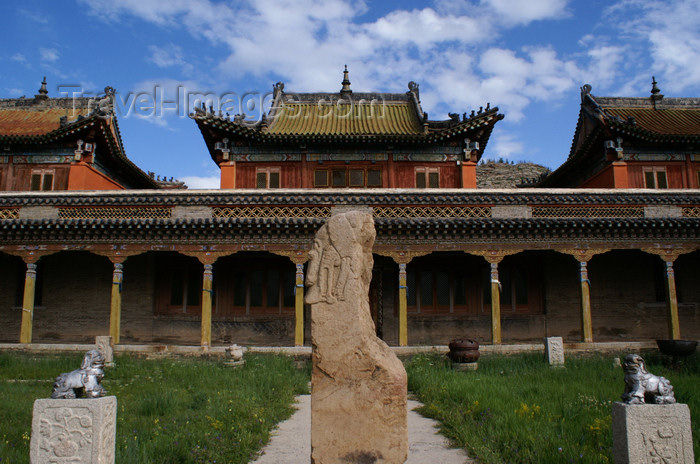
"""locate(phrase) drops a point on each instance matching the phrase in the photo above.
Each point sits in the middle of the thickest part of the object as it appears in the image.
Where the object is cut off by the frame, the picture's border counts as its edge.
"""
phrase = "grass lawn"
(186, 410)
(517, 409)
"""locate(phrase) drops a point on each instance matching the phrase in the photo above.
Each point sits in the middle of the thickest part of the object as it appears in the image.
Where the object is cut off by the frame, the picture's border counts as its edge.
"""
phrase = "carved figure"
(332, 267)
(83, 381)
(641, 386)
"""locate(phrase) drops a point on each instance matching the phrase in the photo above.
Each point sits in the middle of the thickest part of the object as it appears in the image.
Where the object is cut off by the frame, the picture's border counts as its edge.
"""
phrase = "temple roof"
(638, 120)
(43, 120)
(347, 116)
(397, 118)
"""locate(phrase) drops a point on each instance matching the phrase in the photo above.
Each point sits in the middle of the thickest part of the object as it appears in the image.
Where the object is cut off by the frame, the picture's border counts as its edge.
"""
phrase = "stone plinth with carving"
(358, 385)
(78, 431)
(554, 351)
(652, 433)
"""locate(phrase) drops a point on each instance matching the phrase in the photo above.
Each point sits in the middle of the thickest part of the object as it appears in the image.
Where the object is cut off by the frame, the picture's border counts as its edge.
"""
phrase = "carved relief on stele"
(358, 385)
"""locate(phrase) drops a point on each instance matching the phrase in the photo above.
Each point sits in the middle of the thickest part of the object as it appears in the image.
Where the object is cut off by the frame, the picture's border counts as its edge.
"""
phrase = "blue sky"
(529, 58)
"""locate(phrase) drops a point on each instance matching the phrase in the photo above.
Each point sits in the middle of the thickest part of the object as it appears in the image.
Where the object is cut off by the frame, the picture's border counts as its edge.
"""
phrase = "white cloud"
(669, 32)
(48, 55)
(425, 28)
(169, 55)
(524, 12)
(19, 57)
(505, 146)
(197, 182)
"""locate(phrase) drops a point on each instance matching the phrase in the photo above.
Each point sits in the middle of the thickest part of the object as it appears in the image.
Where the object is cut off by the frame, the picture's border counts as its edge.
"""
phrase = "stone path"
(291, 442)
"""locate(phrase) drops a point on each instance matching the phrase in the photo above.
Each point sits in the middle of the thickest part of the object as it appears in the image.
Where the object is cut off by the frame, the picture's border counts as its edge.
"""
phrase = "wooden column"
(299, 306)
(117, 255)
(586, 319)
(495, 305)
(115, 313)
(669, 254)
(583, 255)
(493, 257)
(207, 291)
(674, 329)
(298, 257)
(207, 258)
(403, 306)
(28, 303)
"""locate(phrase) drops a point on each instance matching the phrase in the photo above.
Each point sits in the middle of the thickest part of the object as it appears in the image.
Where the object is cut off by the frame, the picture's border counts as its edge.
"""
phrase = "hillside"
(492, 174)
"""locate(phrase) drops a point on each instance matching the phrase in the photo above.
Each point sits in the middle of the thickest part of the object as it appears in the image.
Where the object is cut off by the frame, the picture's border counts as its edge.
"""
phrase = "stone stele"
(78, 431)
(104, 344)
(358, 385)
(554, 350)
(652, 433)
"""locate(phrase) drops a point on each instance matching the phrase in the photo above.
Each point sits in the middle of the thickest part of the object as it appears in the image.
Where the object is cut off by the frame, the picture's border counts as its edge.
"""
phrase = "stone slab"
(80, 431)
(554, 351)
(652, 433)
(358, 385)
(105, 345)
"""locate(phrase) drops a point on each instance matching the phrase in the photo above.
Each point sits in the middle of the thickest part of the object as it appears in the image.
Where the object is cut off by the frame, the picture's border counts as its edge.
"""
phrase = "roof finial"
(346, 82)
(43, 91)
(655, 92)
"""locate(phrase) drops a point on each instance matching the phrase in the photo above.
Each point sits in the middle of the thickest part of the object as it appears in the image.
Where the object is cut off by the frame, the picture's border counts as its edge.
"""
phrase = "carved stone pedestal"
(80, 431)
(358, 385)
(554, 351)
(652, 433)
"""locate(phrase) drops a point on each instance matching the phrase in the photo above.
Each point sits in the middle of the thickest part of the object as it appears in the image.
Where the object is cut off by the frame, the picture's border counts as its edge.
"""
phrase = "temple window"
(267, 178)
(354, 178)
(256, 291)
(427, 177)
(339, 178)
(432, 290)
(41, 180)
(321, 178)
(514, 288)
(697, 174)
(374, 178)
(655, 177)
(186, 289)
(357, 177)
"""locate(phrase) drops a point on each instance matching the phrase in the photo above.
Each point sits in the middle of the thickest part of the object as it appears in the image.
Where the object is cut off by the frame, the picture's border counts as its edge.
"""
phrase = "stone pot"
(464, 351)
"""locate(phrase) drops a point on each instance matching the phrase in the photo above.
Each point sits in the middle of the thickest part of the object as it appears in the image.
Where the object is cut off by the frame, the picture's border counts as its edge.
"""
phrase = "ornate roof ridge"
(692, 103)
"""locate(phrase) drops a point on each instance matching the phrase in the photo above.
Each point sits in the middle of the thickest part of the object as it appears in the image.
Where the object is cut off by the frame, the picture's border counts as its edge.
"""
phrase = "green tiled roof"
(370, 118)
(661, 121)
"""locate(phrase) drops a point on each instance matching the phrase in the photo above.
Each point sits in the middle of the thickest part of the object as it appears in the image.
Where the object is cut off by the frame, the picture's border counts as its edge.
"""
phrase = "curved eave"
(336, 197)
(485, 121)
(574, 160)
(646, 135)
(274, 230)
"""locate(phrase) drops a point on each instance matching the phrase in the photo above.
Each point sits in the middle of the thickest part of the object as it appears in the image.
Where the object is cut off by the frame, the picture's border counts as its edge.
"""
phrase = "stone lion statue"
(641, 386)
(83, 381)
